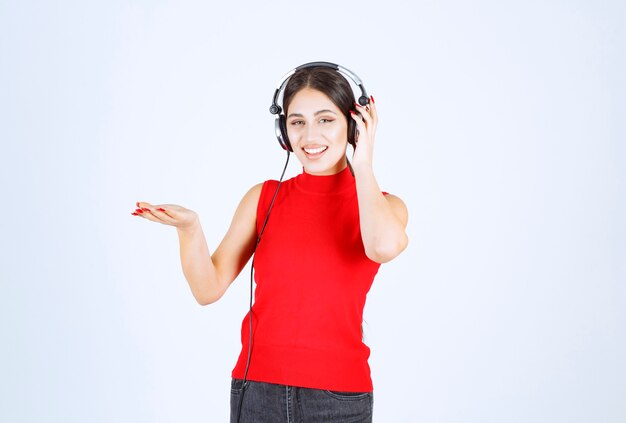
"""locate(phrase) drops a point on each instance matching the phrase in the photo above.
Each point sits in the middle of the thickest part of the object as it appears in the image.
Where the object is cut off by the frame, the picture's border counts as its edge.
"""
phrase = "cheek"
(337, 132)
(292, 133)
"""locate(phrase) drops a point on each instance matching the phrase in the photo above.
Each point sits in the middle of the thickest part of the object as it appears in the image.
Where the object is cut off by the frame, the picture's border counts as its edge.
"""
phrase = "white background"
(501, 127)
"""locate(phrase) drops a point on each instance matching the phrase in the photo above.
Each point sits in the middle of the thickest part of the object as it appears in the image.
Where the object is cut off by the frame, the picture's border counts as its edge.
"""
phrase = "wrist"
(362, 167)
(190, 228)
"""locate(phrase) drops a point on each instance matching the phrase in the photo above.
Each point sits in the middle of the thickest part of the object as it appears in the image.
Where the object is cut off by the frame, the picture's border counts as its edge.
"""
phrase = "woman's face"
(318, 132)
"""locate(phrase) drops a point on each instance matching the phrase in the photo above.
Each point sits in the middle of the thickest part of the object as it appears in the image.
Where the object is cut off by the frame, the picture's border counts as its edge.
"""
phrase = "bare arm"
(210, 275)
(383, 218)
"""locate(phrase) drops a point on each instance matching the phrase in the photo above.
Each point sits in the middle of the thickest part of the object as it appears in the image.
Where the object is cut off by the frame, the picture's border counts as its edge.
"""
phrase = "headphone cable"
(258, 240)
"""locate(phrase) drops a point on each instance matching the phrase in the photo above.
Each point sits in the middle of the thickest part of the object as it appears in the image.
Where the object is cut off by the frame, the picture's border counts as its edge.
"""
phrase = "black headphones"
(280, 125)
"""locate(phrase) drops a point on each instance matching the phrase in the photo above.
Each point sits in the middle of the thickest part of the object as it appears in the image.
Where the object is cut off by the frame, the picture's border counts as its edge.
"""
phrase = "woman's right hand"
(167, 214)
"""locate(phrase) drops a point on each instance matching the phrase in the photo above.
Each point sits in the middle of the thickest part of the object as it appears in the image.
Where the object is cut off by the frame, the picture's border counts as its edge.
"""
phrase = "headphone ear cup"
(281, 133)
(351, 132)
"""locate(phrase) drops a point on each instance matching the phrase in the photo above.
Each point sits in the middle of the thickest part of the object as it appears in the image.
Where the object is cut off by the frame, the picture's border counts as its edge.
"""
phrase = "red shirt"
(312, 277)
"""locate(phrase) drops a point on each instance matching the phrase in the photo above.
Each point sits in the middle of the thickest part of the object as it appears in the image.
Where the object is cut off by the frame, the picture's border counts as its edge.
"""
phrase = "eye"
(297, 122)
(324, 120)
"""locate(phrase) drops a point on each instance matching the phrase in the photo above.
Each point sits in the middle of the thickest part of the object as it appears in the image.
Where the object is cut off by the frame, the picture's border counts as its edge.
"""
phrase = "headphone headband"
(363, 99)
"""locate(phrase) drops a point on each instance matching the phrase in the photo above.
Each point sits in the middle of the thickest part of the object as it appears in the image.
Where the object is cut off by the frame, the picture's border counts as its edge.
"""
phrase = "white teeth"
(315, 150)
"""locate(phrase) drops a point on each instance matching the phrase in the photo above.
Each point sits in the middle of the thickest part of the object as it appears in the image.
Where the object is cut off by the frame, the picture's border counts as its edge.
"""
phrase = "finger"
(142, 209)
(372, 109)
(155, 213)
(372, 112)
(360, 123)
(148, 214)
(161, 213)
(147, 207)
(365, 113)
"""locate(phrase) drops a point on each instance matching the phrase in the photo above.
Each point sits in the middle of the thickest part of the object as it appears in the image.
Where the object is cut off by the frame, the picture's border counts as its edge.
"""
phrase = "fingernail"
(372, 97)
(352, 112)
(145, 209)
(161, 209)
(139, 211)
(135, 214)
(137, 203)
(357, 104)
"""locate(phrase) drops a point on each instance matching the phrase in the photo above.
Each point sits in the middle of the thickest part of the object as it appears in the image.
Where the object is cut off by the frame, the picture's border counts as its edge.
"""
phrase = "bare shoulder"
(255, 191)
(399, 208)
(251, 198)
(246, 210)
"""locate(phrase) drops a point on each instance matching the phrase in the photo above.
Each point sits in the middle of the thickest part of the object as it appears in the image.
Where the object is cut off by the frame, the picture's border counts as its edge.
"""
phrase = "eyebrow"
(316, 113)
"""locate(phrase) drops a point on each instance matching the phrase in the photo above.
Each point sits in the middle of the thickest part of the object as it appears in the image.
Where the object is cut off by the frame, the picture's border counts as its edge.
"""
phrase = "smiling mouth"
(314, 151)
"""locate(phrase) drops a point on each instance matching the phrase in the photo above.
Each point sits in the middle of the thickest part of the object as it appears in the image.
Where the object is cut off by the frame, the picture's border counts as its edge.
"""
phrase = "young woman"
(326, 234)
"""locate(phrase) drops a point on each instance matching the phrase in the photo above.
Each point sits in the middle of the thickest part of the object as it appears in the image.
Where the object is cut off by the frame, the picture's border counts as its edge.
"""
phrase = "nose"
(312, 133)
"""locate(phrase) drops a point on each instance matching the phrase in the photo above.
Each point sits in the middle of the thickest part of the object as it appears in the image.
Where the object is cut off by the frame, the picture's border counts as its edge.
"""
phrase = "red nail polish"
(163, 210)
(145, 209)
(352, 112)
(139, 211)
(135, 214)
(137, 203)
(357, 104)
(372, 97)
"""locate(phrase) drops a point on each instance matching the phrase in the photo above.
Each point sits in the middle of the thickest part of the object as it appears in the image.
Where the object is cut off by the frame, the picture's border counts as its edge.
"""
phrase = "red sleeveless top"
(312, 277)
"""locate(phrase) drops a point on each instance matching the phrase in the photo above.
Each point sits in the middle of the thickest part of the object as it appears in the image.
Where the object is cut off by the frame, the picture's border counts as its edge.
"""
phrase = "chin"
(318, 170)
(322, 167)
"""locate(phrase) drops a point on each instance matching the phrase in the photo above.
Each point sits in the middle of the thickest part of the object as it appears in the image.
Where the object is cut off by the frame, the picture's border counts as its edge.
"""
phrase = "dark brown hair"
(328, 81)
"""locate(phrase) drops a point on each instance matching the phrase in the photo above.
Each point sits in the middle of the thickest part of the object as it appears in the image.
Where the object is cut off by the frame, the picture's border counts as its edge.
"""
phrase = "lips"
(315, 152)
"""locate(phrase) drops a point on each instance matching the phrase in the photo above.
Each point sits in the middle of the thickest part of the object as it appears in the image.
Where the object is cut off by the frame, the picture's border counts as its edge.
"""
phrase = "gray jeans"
(272, 403)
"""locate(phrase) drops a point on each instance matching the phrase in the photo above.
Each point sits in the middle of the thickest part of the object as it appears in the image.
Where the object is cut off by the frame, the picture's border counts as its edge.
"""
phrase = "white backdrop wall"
(501, 128)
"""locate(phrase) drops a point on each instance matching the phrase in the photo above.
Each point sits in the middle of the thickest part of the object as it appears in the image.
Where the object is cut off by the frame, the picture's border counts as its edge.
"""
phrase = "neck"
(326, 184)
(338, 167)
